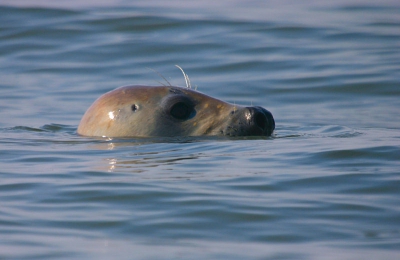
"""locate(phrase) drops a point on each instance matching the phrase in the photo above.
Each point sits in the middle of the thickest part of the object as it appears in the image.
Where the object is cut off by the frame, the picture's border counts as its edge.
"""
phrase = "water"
(325, 186)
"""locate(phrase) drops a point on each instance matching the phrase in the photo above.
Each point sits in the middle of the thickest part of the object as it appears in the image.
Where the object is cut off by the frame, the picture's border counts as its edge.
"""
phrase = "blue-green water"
(325, 186)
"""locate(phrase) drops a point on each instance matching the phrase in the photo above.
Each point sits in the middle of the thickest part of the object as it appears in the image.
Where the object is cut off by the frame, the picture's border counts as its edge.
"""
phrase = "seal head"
(144, 111)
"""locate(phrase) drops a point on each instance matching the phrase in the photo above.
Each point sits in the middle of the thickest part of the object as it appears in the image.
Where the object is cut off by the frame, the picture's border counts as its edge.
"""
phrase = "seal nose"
(262, 120)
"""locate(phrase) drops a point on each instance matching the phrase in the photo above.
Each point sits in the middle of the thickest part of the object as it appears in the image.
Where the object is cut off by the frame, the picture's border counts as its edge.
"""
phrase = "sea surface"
(326, 185)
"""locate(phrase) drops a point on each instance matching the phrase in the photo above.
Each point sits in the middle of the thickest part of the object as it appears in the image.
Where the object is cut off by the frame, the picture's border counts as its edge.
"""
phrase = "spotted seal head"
(144, 111)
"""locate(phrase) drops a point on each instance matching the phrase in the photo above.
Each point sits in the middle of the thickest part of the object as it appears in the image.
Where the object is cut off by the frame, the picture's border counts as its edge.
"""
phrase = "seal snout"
(260, 121)
(250, 121)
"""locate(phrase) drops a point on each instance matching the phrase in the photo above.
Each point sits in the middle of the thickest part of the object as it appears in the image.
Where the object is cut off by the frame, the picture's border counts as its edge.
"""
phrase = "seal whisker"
(187, 80)
(159, 74)
(161, 83)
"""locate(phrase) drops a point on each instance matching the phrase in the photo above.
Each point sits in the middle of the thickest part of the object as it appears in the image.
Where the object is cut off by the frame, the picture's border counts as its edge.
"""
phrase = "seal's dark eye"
(179, 107)
(180, 111)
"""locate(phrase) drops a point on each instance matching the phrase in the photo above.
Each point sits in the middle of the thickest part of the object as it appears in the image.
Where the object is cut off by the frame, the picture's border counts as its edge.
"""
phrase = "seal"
(146, 111)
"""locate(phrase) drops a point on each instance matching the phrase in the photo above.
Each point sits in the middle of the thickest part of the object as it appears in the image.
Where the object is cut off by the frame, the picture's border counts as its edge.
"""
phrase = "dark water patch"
(18, 189)
(12, 14)
(53, 35)
(28, 23)
(386, 24)
(50, 128)
(367, 7)
(365, 85)
(368, 38)
(54, 128)
(336, 182)
(25, 128)
(295, 32)
(361, 158)
(250, 184)
(386, 188)
(387, 152)
(135, 23)
(315, 131)
(336, 131)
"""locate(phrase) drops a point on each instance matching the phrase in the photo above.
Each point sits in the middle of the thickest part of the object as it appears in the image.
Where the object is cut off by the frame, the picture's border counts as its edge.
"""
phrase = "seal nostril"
(134, 107)
(260, 120)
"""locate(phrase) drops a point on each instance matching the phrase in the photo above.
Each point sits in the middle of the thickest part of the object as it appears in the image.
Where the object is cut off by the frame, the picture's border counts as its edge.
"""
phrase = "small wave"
(289, 131)
(51, 128)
